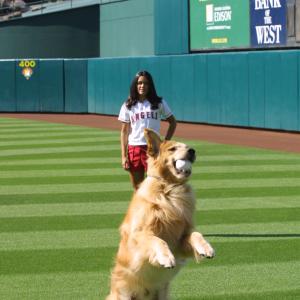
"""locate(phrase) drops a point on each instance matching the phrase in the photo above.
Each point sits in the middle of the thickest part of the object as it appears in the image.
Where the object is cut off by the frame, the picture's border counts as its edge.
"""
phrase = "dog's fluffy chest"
(168, 210)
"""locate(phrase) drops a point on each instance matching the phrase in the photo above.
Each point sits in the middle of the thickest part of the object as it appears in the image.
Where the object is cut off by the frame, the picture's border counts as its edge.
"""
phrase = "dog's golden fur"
(157, 234)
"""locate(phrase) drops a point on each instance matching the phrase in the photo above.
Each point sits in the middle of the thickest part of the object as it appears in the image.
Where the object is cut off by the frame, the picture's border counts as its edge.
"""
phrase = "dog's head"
(164, 158)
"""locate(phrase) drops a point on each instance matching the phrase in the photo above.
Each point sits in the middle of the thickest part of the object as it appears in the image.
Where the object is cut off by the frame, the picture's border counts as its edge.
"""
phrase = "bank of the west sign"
(268, 22)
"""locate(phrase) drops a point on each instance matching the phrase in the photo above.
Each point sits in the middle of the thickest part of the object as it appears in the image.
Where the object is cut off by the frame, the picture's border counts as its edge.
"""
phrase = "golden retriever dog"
(157, 234)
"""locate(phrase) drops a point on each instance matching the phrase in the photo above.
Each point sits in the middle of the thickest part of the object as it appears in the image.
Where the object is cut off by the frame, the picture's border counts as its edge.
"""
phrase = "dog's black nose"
(191, 154)
(191, 151)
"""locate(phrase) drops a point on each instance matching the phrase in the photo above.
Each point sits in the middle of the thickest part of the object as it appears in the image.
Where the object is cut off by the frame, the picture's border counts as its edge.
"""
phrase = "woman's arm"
(124, 143)
(172, 126)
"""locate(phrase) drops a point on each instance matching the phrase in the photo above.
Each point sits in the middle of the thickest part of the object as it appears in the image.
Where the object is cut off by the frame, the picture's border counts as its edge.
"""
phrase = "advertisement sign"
(268, 23)
(219, 24)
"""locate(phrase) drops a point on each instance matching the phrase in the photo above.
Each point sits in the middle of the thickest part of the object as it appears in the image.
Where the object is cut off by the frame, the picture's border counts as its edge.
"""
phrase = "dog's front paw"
(204, 249)
(167, 261)
(201, 247)
(162, 256)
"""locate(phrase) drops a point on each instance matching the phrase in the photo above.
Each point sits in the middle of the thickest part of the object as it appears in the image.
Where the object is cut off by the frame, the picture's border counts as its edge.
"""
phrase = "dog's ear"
(153, 142)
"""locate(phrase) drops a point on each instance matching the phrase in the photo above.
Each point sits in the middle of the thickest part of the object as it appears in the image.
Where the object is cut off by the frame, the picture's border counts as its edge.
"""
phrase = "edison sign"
(219, 24)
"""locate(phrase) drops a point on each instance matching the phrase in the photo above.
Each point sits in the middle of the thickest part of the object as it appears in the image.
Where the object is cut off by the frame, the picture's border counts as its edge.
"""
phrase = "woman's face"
(142, 87)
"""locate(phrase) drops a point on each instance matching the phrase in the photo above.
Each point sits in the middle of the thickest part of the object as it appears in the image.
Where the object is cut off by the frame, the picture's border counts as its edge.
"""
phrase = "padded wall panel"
(214, 94)
(182, 87)
(92, 85)
(298, 84)
(8, 101)
(76, 93)
(273, 90)
(289, 85)
(200, 88)
(256, 63)
(51, 85)
(27, 86)
(116, 83)
(234, 89)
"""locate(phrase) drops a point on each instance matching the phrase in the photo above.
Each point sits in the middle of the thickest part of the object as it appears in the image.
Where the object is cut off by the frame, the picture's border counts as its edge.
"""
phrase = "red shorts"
(137, 157)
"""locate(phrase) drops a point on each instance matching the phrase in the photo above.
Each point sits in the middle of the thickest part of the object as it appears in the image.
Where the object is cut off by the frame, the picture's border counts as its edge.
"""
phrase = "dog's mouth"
(183, 167)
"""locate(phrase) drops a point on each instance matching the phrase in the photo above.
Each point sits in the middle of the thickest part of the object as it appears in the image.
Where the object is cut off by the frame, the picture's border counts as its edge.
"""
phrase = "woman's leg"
(137, 157)
(137, 177)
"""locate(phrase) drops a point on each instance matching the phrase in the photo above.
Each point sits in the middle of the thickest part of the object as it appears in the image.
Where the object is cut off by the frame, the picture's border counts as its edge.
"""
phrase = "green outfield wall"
(250, 89)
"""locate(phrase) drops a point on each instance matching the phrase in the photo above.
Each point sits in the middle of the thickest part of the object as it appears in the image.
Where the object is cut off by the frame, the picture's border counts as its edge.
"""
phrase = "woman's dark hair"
(151, 97)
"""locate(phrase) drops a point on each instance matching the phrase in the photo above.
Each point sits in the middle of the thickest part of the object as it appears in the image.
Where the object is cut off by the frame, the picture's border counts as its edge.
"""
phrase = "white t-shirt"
(141, 116)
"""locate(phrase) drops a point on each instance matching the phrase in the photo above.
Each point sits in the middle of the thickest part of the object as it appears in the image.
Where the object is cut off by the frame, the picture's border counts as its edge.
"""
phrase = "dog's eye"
(172, 149)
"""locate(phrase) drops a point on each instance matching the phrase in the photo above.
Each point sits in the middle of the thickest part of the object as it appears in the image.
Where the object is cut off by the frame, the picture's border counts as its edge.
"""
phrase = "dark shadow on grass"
(231, 235)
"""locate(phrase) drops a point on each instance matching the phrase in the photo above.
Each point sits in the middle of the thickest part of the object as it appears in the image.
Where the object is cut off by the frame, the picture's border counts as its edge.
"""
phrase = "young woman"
(143, 109)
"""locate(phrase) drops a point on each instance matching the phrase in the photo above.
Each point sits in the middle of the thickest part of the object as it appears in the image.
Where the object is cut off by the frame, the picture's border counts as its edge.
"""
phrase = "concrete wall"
(66, 34)
(127, 29)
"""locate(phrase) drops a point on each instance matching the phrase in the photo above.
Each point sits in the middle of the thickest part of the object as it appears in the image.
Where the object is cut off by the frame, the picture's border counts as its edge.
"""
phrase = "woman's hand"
(125, 163)
(124, 143)
(172, 126)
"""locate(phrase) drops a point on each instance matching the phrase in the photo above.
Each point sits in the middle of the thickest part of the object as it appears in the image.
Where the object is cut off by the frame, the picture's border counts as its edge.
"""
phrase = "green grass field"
(63, 194)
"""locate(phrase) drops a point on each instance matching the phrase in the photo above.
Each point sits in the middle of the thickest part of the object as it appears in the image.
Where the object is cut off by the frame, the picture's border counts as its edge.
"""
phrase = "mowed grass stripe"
(109, 237)
(106, 207)
(67, 154)
(40, 129)
(59, 286)
(94, 285)
(59, 145)
(203, 162)
(117, 195)
(266, 171)
(56, 135)
(203, 204)
(31, 125)
(101, 162)
(18, 122)
(126, 186)
(80, 222)
(113, 196)
(52, 150)
(89, 259)
(65, 162)
(40, 210)
(290, 294)
(121, 176)
(79, 160)
(41, 142)
(241, 279)
(10, 120)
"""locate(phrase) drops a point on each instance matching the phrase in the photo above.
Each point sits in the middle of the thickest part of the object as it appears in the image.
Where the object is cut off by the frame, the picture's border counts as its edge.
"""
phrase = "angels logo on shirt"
(141, 116)
(144, 115)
